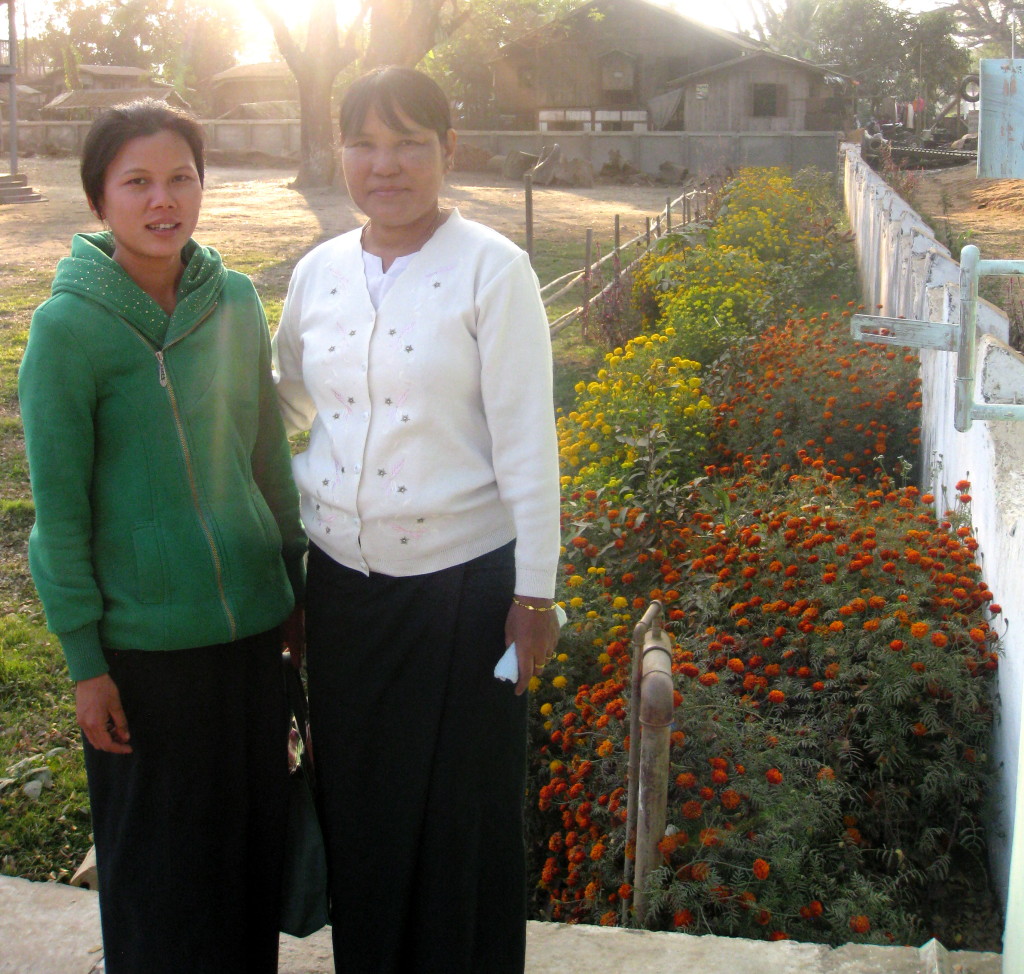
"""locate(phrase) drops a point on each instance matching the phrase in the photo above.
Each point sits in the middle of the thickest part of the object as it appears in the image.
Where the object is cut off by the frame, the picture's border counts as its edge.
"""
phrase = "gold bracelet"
(533, 608)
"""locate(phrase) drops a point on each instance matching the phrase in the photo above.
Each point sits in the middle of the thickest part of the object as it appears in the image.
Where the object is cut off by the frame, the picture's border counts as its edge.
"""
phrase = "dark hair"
(121, 124)
(389, 90)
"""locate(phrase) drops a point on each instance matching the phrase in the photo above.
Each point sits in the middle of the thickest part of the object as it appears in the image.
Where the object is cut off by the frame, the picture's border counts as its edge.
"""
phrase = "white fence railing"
(907, 273)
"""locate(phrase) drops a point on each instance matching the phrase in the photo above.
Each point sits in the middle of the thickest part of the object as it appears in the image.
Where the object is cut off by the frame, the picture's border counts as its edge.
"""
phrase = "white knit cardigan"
(432, 437)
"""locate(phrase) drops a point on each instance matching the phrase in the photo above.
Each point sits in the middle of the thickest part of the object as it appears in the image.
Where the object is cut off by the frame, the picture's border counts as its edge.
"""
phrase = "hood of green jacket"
(92, 272)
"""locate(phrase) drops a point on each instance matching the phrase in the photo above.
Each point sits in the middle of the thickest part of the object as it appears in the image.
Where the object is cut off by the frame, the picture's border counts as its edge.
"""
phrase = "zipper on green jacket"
(165, 382)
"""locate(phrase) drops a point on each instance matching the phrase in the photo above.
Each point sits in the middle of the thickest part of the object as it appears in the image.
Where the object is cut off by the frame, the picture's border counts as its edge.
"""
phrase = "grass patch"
(47, 837)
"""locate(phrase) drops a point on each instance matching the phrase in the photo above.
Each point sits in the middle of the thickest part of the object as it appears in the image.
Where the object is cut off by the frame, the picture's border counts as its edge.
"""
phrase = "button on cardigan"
(432, 437)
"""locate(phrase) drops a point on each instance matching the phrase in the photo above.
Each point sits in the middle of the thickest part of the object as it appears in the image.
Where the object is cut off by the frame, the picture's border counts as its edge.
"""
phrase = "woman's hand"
(535, 634)
(98, 706)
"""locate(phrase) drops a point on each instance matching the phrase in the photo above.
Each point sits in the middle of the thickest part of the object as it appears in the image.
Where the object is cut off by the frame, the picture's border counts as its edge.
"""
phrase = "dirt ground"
(242, 206)
(986, 212)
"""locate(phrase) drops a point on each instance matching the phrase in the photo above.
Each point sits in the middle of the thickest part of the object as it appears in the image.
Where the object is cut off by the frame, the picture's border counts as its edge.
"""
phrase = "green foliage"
(891, 53)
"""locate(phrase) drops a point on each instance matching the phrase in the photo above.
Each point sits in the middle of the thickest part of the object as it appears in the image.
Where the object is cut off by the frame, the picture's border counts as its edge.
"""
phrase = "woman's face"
(395, 177)
(151, 199)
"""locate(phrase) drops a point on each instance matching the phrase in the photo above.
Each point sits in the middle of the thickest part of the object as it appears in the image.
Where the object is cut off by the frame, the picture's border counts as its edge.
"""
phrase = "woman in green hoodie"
(168, 554)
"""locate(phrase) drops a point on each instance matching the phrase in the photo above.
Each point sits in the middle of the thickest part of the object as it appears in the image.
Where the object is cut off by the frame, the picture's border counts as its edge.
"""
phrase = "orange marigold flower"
(686, 780)
(826, 774)
(709, 837)
(763, 917)
(625, 891)
(919, 729)
(774, 776)
(778, 935)
(870, 625)
(597, 851)
(736, 665)
(896, 645)
(708, 679)
(683, 918)
(730, 799)
(700, 871)
(836, 626)
(776, 696)
(761, 869)
(860, 923)
(608, 919)
(688, 669)
(919, 629)
(939, 639)
(692, 809)
(963, 485)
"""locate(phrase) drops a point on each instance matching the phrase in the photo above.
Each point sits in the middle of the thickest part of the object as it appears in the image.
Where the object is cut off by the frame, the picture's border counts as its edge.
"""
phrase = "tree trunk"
(317, 145)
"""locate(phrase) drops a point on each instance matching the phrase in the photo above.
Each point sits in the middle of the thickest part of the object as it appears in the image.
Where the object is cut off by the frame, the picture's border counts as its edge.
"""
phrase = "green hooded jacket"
(166, 514)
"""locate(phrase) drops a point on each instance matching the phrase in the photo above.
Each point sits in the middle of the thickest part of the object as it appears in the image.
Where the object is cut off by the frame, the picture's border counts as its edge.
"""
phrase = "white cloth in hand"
(507, 667)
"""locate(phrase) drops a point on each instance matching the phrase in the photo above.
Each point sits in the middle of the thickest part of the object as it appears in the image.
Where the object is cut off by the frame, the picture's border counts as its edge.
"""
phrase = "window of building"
(769, 101)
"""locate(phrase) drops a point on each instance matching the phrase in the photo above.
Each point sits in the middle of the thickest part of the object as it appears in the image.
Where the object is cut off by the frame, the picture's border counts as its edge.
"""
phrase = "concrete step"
(13, 179)
(49, 928)
(15, 194)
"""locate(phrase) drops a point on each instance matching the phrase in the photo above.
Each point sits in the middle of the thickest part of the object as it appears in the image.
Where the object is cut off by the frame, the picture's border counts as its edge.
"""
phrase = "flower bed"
(832, 640)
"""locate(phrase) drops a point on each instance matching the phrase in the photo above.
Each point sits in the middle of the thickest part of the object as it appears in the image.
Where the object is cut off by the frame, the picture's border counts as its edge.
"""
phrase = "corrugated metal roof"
(264, 69)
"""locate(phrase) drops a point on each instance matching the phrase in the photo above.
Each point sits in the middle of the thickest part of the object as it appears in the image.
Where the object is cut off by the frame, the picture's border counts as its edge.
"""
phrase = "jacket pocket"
(271, 532)
(149, 563)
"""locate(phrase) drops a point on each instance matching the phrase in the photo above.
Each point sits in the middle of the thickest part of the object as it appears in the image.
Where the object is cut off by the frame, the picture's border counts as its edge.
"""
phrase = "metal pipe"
(644, 760)
(656, 708)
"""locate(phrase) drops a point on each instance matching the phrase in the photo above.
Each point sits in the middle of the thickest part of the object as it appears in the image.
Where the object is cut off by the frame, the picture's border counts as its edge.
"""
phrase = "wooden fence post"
(617, 260)
(587, 282)
(668, 214)
(528, 195)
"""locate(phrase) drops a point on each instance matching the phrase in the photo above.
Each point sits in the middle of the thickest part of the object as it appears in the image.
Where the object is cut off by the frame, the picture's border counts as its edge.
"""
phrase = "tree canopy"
(891, 53)
(184, 42)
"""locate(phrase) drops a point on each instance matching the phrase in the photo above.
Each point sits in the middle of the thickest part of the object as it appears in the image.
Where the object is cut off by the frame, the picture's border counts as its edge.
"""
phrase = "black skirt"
(189, 827)
(421, 756)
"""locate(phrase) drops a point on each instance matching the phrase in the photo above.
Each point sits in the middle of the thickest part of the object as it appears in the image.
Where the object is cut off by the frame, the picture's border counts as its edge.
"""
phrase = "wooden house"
(624, 65)
(763, 92)
(245, 84)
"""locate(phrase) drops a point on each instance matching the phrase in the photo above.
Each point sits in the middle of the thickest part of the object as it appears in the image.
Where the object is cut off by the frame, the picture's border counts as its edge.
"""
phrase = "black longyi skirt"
(420, 754)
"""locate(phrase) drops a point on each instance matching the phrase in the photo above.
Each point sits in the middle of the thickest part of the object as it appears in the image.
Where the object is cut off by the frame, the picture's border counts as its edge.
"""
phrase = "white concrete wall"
(910, 274)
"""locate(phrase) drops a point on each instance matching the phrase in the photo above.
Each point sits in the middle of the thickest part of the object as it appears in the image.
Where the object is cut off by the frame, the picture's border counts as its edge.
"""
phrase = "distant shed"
(245, 84)
(763, 92)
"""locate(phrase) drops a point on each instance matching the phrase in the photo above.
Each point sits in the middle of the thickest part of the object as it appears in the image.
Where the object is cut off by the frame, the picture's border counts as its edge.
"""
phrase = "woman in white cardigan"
(416, 350)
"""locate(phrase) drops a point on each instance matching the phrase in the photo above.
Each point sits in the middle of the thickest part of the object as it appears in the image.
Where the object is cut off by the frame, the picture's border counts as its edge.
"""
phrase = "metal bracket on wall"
(962, 338)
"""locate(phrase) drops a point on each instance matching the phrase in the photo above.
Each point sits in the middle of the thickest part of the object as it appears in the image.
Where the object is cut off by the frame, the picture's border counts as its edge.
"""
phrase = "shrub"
(644, 416)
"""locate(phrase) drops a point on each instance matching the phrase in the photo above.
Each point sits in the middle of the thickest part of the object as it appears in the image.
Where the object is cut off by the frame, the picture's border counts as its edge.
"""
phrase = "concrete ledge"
(49, 928)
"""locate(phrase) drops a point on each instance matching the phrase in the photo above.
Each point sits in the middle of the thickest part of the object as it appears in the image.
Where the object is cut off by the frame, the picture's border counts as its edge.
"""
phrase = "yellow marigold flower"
(576, 602)
(575, 581)
(545, 709)
(534, 684)
(559, 682)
